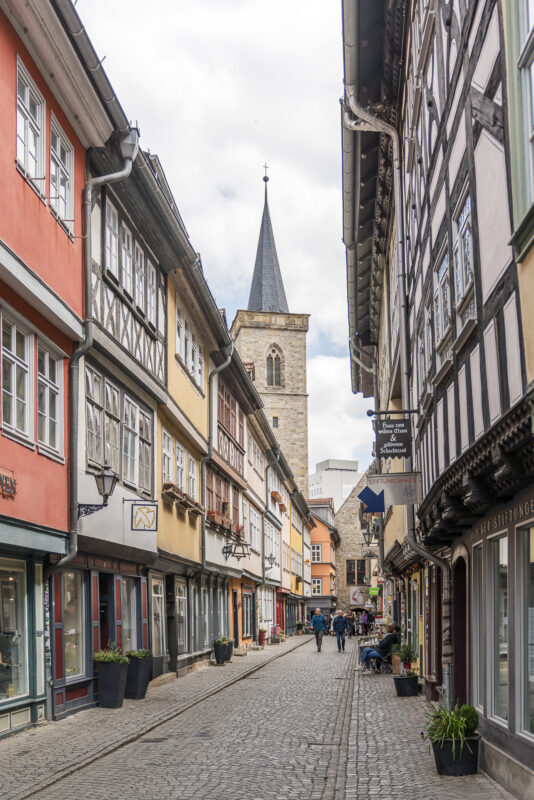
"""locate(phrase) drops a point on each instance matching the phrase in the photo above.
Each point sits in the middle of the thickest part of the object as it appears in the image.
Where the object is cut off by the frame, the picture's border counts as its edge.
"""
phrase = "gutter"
(271, 461)
(363, 120)
(129, 147)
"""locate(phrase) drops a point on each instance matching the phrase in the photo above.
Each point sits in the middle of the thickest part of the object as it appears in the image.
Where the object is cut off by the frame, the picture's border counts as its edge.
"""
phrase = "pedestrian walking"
(319, 626)
(349, 616)
(340, 626)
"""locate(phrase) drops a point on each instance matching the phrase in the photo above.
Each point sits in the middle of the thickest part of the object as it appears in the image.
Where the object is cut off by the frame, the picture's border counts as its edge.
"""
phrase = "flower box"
(197, 509)
(276, 496)
(214, 517)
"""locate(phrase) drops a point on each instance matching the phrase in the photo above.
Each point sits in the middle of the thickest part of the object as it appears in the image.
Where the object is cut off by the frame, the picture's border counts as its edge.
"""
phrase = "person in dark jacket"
(319, 626)
(381, 650)
(339, 626)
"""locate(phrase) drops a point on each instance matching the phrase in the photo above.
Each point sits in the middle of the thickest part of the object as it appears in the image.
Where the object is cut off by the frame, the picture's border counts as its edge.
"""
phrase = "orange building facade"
(324, 541)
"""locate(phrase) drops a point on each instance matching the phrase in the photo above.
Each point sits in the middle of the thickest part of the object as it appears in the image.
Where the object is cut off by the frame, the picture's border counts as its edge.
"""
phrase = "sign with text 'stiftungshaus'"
(399, 488)
(393, 438)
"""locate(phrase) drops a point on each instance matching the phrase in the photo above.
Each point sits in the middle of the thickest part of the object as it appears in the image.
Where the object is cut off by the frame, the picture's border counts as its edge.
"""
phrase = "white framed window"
(317, 585)
(246, 532)
(189, 347)
(246, 600)
(73, 623)
(525, 626)
(192, 476)
(181, 616)
(30, 128)
(49, 399)
(498, 626)
(94, 415)
(129, 614)
(316, 553)
(478, 630)
(463, 250)
(166, 457)
(180, 466)
(61, 174)
(258, 459)
(17, 384)
(130, 423)
(139, 278)
(112, 239)
(14, 629)
(526, 66)
(276, 546)
(112, 425)
(255, 529)
(159, 638)
(126, 259)
(250, 449)
(145, 451)
(442, 300)
(151, 292)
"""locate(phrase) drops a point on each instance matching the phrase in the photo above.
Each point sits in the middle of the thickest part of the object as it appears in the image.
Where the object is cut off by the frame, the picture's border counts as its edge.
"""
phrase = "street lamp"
(271, 559)
(367, 535)
(106, 480)
(240, 549)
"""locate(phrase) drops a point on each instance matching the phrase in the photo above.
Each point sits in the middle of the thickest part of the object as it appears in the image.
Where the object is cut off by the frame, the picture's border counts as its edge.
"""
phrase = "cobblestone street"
(302, 726)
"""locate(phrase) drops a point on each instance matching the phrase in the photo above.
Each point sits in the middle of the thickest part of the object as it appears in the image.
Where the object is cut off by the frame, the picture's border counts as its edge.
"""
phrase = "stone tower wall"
(352, 545)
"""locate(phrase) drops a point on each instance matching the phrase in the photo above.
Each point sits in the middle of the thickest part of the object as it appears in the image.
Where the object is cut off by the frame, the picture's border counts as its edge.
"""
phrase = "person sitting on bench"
(382, 649)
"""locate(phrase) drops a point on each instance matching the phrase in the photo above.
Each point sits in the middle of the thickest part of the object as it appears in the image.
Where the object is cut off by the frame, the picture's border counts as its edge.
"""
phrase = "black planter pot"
(464, 763)
(229, 651)
(406, 687)
(111, 684)
(219, 651)
(139, 672)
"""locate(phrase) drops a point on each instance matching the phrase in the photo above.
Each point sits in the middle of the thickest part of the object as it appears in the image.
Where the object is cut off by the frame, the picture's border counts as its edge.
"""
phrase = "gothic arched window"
(275, 366)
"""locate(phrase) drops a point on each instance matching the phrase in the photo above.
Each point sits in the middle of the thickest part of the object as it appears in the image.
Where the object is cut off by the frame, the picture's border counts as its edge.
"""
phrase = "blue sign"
(373, 501)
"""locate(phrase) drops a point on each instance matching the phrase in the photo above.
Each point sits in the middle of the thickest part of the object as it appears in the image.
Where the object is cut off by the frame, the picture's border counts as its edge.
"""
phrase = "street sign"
(398, 488)
(374, 590)
(358, 595)
(393, 438)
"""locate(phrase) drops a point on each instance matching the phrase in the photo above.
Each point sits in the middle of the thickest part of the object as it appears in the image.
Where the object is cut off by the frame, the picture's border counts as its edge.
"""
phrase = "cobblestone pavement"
(388, 757)
(304, 726)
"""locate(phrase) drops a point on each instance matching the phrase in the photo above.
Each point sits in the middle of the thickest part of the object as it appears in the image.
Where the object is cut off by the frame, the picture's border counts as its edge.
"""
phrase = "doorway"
(459, 630)
(235, 616)
(106, 608)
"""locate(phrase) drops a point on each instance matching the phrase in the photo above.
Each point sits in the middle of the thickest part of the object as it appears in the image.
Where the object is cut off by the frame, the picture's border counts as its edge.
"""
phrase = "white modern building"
(334, 478)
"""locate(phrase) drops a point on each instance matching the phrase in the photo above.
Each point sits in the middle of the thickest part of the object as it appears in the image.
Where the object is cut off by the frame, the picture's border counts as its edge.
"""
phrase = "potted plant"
(112, 672)
(282, 634)
(139, 672)
(452, 734)
(300, 627)
(406, 685)
(219, 649)
(229, 649)
(261, 636)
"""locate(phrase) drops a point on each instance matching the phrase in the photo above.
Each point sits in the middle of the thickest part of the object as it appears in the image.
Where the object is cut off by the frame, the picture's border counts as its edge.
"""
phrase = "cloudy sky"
(218, 87)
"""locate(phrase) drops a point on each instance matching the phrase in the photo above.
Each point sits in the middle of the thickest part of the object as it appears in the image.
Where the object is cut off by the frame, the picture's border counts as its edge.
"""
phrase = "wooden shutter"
(144, 613)
(95, 611)
(117, 584)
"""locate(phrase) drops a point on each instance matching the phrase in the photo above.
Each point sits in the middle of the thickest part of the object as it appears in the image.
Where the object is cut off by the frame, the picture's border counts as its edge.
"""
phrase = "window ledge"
(188, 375)
(442, 371)
(523, 238)
(17, 437)
(464, 335)
(466, 299)
(52, 454)
(30, 181)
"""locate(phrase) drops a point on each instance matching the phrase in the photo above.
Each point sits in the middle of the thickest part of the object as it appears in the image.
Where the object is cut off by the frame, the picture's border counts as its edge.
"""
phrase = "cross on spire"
(265, 167)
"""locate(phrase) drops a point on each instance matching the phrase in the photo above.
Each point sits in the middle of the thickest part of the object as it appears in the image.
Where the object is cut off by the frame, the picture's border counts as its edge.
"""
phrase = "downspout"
(129, 148)
(366, 121)
(270, 463)
(228, 351)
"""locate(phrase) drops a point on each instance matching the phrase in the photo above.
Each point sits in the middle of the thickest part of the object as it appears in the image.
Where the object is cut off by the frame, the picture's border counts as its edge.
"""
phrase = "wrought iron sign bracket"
(85, 509)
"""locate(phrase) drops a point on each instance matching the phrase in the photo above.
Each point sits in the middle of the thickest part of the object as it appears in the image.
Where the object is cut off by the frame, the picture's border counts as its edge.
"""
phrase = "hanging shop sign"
(392, 489)
(393, 438)
(374, 591)
(8, 484)
(144, 517)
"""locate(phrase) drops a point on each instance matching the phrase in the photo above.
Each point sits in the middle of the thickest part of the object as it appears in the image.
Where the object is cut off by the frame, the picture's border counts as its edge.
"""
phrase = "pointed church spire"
(267, 290)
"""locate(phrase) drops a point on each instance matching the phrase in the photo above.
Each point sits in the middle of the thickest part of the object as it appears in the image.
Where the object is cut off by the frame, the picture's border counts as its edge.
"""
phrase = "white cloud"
(337, 417)
(218, 87)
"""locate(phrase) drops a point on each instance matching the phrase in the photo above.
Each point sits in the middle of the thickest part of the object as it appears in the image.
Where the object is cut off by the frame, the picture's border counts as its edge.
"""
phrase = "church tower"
(272, 343)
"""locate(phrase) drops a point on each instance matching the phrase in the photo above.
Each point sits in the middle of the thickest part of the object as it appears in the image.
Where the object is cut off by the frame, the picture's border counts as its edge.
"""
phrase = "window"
(478, 642)
(274, 367)
(61, 174)
(159, 644)
(126, 259)
(499, 621)
(139, 278)
(13, 629)
(351, 571)
(180, 466)
(276, 545)
(317, 585)
(166, 458)
(205, 608)
(463, 251)
(192, 477)
(16, 377)
(316, 553)
(360, 571)
(112, 239)
(526, 64)
(247, 614)
(246, 532)
(526, 621)
(30, 128)
(255, 529)
(73, 623)
(130, 456)
(181, 617)
(151, 293)
(442, 300)
(129, 614)
(258, 458)
(189, 347)
(275, 422)
(250, 449)
(48, 398)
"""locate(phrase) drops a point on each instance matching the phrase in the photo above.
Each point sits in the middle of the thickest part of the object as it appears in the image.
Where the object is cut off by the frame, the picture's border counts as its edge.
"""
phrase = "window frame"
(188, 346)
(38, 181)
(180, 465)
(78, 575)
(523, 533)
(525, 65)
(28, 366)
(57, 388)
(192, 476)
(167, 457)
(491, 611)
(317, 583)
(314, 552)
(441, 298)
(111, 239)
(67, 220)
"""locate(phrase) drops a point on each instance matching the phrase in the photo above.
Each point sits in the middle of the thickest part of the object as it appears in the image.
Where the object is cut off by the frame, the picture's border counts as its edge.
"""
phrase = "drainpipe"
(228, 351)
(367, 121)
(270, 463)
(129, 148)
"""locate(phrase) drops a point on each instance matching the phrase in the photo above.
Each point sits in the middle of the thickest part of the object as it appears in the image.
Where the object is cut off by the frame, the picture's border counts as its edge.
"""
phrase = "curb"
(111, 748)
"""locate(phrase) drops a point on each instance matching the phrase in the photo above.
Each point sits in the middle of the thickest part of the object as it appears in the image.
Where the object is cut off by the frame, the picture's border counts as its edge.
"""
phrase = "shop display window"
(159, 645)
(73, 623)
(129, 614)
(500, 672)
(181, 617)
(13, 630)
(526, 615)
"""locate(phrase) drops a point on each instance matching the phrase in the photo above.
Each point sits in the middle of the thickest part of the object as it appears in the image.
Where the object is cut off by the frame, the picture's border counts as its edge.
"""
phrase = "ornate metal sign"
(393, 438)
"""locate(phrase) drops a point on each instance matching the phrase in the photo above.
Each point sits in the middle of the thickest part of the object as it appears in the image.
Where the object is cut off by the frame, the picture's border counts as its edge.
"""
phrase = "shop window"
(159, 644)
(498, 552)
(525, 560)
(205, 616)
(478, 642)
(247, 615)
(73, 623)
(181, 617)
(13, 629)
(129, 614)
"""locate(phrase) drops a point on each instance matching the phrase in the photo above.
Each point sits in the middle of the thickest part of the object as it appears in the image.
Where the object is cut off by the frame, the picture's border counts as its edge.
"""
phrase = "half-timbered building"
(435, 314)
